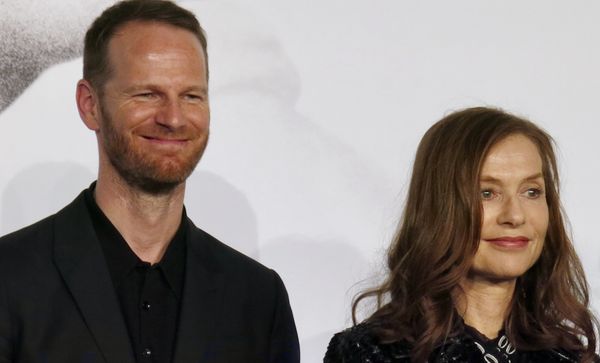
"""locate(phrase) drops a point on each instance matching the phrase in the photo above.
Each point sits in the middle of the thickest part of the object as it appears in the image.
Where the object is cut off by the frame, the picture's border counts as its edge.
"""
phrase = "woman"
(482, 268)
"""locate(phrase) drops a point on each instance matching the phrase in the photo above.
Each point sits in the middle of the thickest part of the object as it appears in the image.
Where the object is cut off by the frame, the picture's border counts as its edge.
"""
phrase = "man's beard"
(147, 170)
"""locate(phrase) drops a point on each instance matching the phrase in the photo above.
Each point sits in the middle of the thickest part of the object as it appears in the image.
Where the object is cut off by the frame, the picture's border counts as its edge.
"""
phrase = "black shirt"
(149, 295)
(498, 350)
(361, 344)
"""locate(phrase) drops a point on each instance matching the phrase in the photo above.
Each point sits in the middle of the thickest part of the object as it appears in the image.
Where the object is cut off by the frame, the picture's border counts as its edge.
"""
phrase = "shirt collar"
(121, 260)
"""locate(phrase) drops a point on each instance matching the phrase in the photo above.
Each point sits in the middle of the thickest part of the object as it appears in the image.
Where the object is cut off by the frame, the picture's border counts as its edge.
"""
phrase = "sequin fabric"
(359, 345)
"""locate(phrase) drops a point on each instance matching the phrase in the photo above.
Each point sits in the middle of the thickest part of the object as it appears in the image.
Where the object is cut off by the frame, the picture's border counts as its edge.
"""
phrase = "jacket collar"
(80, 261)
(202, 302)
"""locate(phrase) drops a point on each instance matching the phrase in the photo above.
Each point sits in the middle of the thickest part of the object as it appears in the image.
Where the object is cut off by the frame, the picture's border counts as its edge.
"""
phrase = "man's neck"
(484, 305)
(147, 222)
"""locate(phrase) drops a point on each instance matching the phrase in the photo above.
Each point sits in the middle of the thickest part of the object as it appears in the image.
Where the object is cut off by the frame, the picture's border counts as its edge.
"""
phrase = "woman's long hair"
(439, 234)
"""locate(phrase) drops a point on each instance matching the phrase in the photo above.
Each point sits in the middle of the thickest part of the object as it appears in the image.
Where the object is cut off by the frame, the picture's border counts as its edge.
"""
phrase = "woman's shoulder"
(360, 344)
(554, 355)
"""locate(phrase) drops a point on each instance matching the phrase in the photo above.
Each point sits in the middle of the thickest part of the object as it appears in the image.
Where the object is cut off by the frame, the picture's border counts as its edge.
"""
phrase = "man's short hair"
(96, 65)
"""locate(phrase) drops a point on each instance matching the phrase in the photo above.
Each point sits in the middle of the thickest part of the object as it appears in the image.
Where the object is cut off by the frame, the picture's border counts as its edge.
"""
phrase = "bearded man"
(121, 274)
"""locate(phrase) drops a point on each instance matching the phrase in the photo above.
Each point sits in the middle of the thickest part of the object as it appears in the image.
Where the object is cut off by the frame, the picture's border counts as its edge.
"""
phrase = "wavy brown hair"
(439, 234)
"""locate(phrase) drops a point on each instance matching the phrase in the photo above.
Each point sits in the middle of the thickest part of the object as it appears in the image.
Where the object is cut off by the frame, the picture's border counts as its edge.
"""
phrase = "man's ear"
(88, 105)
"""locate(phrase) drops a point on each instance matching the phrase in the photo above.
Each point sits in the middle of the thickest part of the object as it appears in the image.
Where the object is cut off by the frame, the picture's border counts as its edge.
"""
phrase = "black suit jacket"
(58, 304)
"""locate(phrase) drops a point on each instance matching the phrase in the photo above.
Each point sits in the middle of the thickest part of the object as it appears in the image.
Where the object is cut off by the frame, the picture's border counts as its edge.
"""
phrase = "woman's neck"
(484, 305)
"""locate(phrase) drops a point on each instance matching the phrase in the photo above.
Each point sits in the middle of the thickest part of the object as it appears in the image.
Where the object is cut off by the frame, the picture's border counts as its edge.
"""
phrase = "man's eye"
(487, 194)
(145, 95)
(194, 97)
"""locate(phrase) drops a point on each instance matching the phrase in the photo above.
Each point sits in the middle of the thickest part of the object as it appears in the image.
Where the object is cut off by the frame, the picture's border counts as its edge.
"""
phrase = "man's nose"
(512, 212)
(171, 114)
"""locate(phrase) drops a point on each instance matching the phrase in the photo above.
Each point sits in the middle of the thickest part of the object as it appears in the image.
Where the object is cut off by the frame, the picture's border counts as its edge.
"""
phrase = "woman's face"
(515, 212)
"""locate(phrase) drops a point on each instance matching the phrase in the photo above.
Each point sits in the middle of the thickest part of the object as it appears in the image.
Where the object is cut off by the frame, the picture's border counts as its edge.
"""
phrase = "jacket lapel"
(201, 300)
(80, 260)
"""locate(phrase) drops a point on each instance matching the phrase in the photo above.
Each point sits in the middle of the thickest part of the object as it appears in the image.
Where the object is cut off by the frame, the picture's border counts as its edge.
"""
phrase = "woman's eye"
(487, 194)
(533, 193)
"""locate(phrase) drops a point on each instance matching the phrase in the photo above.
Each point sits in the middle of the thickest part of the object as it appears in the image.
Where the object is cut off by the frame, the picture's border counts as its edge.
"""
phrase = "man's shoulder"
(34, 240)
(34, 233)
(224, 257)
(22, 250)
(248, 282)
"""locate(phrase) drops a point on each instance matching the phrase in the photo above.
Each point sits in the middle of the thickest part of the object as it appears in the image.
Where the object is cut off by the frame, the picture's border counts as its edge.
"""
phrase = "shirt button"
(146, 305)
(147, 352)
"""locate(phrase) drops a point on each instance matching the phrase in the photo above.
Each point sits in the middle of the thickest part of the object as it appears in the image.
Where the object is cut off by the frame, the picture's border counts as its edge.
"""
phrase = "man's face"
(154, 108)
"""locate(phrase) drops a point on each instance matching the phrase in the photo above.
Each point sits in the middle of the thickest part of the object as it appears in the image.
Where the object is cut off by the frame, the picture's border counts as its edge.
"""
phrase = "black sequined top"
(359, 345)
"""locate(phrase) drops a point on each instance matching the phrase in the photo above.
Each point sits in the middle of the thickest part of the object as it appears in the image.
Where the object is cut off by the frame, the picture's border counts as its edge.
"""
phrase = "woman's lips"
(509, 242)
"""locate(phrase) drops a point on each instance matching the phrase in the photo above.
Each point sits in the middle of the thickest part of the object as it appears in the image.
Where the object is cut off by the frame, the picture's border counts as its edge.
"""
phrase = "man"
(121, 274)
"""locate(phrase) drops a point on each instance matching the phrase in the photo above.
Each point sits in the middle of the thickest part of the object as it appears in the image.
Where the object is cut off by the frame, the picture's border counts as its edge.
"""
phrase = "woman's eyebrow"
(491, 179)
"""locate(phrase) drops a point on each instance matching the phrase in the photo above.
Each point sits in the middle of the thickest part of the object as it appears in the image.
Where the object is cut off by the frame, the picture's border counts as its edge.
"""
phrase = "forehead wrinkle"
(486, 178)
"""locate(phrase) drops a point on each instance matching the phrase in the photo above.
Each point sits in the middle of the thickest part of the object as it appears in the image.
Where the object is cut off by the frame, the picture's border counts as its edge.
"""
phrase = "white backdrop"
(317, 108)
